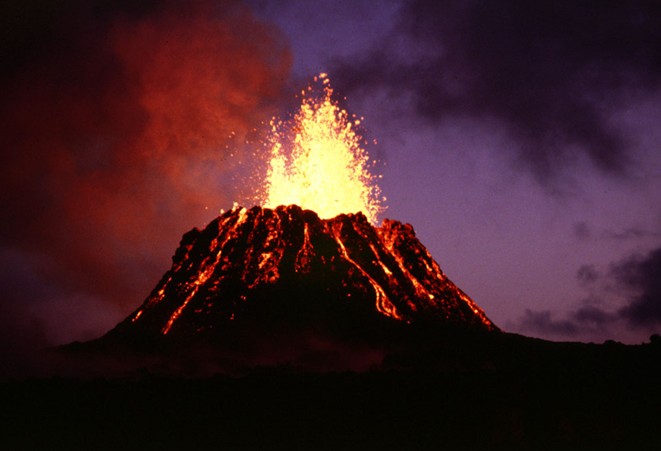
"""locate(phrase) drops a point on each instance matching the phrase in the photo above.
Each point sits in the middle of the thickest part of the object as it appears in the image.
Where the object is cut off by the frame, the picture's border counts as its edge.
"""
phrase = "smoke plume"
(121, 125)
(548, 73)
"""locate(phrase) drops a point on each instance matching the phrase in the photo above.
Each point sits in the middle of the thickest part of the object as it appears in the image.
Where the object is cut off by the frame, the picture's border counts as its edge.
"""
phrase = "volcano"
(307, 268)
(288, 266)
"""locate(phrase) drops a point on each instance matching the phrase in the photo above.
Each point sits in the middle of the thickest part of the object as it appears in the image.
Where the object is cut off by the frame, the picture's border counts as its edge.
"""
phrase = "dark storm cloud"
(115, 121)
(642, 276)
(637, 279)
(547, 71)
(592, 316)
(542, 322)
(586, 319)
(587, 274)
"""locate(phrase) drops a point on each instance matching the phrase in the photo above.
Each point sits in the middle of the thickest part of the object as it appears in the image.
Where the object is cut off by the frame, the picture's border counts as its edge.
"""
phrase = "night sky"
(520, 139)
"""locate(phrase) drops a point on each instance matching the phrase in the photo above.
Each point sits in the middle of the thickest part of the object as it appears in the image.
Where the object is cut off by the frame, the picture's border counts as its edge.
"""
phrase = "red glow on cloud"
(117, 128)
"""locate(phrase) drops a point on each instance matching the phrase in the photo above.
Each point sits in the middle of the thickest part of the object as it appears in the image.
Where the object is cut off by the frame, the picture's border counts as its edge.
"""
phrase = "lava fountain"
(317, 160)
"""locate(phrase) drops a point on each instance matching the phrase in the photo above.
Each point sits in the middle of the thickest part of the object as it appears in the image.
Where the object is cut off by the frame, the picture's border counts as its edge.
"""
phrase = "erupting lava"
(322, 167)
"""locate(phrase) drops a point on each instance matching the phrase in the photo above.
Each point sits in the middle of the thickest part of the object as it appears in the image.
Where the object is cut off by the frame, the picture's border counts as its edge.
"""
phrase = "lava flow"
(273, 259)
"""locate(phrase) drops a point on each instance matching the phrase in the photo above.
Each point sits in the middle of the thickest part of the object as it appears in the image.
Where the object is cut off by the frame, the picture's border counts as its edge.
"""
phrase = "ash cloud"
(547, 71)
(117, 121)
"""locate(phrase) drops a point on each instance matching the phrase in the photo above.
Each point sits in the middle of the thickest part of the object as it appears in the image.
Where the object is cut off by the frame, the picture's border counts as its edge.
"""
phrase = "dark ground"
(529, 395)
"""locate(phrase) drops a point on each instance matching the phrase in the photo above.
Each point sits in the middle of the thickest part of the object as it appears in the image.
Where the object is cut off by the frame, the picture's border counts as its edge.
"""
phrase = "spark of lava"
(317, 160)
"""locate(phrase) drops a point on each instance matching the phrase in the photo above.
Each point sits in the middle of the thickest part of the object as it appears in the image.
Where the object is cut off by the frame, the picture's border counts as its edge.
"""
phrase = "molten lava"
(322, 167)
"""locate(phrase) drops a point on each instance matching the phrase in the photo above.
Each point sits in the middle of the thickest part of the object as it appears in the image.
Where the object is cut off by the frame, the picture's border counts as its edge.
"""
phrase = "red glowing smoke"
(117, 122)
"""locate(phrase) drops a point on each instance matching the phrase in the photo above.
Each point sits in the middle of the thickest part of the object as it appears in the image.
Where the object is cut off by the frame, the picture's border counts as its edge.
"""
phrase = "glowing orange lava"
(322, 167)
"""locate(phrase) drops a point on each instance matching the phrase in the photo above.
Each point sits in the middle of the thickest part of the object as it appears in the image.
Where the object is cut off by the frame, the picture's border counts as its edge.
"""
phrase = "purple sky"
(520, 139)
